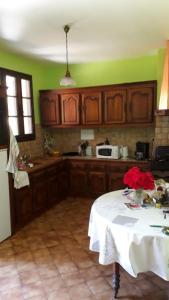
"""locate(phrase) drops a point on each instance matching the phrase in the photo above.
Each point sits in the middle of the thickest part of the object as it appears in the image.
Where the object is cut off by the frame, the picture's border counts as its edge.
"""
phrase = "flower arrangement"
(137, 179)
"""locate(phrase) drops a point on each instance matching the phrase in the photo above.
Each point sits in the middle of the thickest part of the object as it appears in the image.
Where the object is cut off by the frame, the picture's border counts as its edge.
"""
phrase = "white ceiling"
(100, 29)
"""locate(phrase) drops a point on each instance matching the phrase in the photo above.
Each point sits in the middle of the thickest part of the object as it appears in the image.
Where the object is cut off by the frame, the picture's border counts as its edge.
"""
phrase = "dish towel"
(21, 178)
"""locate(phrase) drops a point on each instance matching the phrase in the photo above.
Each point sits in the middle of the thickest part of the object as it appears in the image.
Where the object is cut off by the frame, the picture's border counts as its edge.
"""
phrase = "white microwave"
(108, 151)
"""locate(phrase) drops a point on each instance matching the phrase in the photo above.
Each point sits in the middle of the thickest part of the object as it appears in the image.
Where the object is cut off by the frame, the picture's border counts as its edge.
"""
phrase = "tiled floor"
(49, 259)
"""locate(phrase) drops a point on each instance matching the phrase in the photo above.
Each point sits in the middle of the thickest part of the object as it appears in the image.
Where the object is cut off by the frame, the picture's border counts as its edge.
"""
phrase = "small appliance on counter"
(162, 153)
(108, 151)
(124, 152)
(142, 150)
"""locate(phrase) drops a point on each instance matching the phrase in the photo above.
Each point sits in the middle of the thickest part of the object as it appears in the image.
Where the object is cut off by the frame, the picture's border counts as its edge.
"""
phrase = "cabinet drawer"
(78, 165)
(118, 168)
(38, 176)
(97, 166)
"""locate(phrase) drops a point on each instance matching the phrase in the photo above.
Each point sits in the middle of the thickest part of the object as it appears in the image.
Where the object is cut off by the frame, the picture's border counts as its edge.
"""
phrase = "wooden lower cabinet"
(115, 181)
(78, 182)
(47, 187)
(71, 177)
(23, 206)
(97, 183)
(39, 192)
(52, 186)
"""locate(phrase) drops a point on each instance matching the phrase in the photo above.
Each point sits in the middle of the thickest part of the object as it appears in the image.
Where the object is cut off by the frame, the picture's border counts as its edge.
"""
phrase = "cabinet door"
(70, 109)
(116, 181)
(97, 183)
(23, 206)
(53, 193)
(63, 185)
(114, 106)
(78, 182)
(49, 106)
(39, 192)
(140, 105)
(92, 108)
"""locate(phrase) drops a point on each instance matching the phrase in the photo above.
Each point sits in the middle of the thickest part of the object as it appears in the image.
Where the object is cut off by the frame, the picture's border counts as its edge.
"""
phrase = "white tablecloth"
(123, 235)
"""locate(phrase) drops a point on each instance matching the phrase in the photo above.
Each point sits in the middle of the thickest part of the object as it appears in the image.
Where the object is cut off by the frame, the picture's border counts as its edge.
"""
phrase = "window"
(19, 100)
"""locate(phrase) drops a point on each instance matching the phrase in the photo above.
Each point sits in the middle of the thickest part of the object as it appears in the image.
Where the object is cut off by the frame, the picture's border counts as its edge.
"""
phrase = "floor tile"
(49, 259)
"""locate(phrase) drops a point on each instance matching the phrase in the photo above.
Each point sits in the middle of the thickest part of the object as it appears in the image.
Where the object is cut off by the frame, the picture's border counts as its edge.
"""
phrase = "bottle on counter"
(106, 142)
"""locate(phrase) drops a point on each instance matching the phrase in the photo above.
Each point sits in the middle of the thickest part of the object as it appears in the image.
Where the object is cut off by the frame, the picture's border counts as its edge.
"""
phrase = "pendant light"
(67, 79)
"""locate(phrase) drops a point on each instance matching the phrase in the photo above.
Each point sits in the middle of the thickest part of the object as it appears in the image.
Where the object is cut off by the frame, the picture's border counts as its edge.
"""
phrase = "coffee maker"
(142, 150)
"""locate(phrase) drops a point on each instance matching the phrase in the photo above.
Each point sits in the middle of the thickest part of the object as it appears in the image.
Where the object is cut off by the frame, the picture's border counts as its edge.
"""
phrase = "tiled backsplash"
(68, 139)
(33, 148)
(162, 131)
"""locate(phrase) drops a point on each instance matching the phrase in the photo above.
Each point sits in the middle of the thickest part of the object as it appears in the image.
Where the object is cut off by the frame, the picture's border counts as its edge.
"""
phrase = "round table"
(123, 235)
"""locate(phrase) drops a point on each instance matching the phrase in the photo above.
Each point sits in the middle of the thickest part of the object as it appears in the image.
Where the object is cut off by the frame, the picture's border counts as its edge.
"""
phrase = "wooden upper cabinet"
(140, 104)
(49, 106)
(114, 106)
(119, 105)
(70, 109)
(91, 108)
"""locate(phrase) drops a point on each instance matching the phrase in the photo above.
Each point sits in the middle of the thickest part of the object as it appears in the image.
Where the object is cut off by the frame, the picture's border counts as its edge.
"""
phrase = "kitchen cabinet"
(62, 179)
(91, 108)
(78, 178)
(40, 196)
(114, 106)
(23, 206)
(118, 105)
(116, 181)
(140, 104)
(68, 177)
(52, 186)
(97, 183)
(49, 108)
(70, 109)
(48, 186)
(97, 178)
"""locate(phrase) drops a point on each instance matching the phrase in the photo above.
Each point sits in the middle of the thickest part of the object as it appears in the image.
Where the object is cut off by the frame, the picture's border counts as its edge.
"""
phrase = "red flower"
(137, 179)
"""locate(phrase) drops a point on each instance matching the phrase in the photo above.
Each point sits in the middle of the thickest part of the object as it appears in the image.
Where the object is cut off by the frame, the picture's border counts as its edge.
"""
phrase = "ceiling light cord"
(66, 29)
(67, 80)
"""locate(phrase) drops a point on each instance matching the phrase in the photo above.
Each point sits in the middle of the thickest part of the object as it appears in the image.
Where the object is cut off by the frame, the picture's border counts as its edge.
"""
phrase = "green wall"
(46, 75)
(20, 63)
(107, 72)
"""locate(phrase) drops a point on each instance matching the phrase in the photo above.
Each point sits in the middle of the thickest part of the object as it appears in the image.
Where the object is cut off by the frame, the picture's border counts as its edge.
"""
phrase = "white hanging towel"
(21, 178)
(13, 154)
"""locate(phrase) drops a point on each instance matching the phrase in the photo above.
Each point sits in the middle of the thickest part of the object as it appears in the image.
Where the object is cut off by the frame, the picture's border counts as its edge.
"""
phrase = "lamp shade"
(67, 80)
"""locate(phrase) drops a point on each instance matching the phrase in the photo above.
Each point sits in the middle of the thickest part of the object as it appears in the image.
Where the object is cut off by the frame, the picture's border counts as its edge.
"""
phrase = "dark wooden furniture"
(70, 109)
(91, 108)
(95, 177)
(130, 104)
(49, 107)
(115, 102)
(50, 183)
(48, 186)
(140, 103)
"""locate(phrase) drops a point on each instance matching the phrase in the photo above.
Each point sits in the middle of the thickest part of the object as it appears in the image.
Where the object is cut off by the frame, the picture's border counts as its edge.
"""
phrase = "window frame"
(19, 76)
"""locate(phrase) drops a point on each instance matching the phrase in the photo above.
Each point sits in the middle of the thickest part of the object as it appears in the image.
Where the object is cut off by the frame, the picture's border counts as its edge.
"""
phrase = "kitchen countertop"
(43, 162)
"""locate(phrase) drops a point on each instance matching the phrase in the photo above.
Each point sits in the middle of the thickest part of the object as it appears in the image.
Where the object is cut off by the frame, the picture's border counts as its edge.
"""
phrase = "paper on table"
(123, 220)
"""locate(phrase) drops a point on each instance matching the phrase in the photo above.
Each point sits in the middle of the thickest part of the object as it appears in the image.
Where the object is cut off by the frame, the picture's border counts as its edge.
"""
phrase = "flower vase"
(138, 196)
